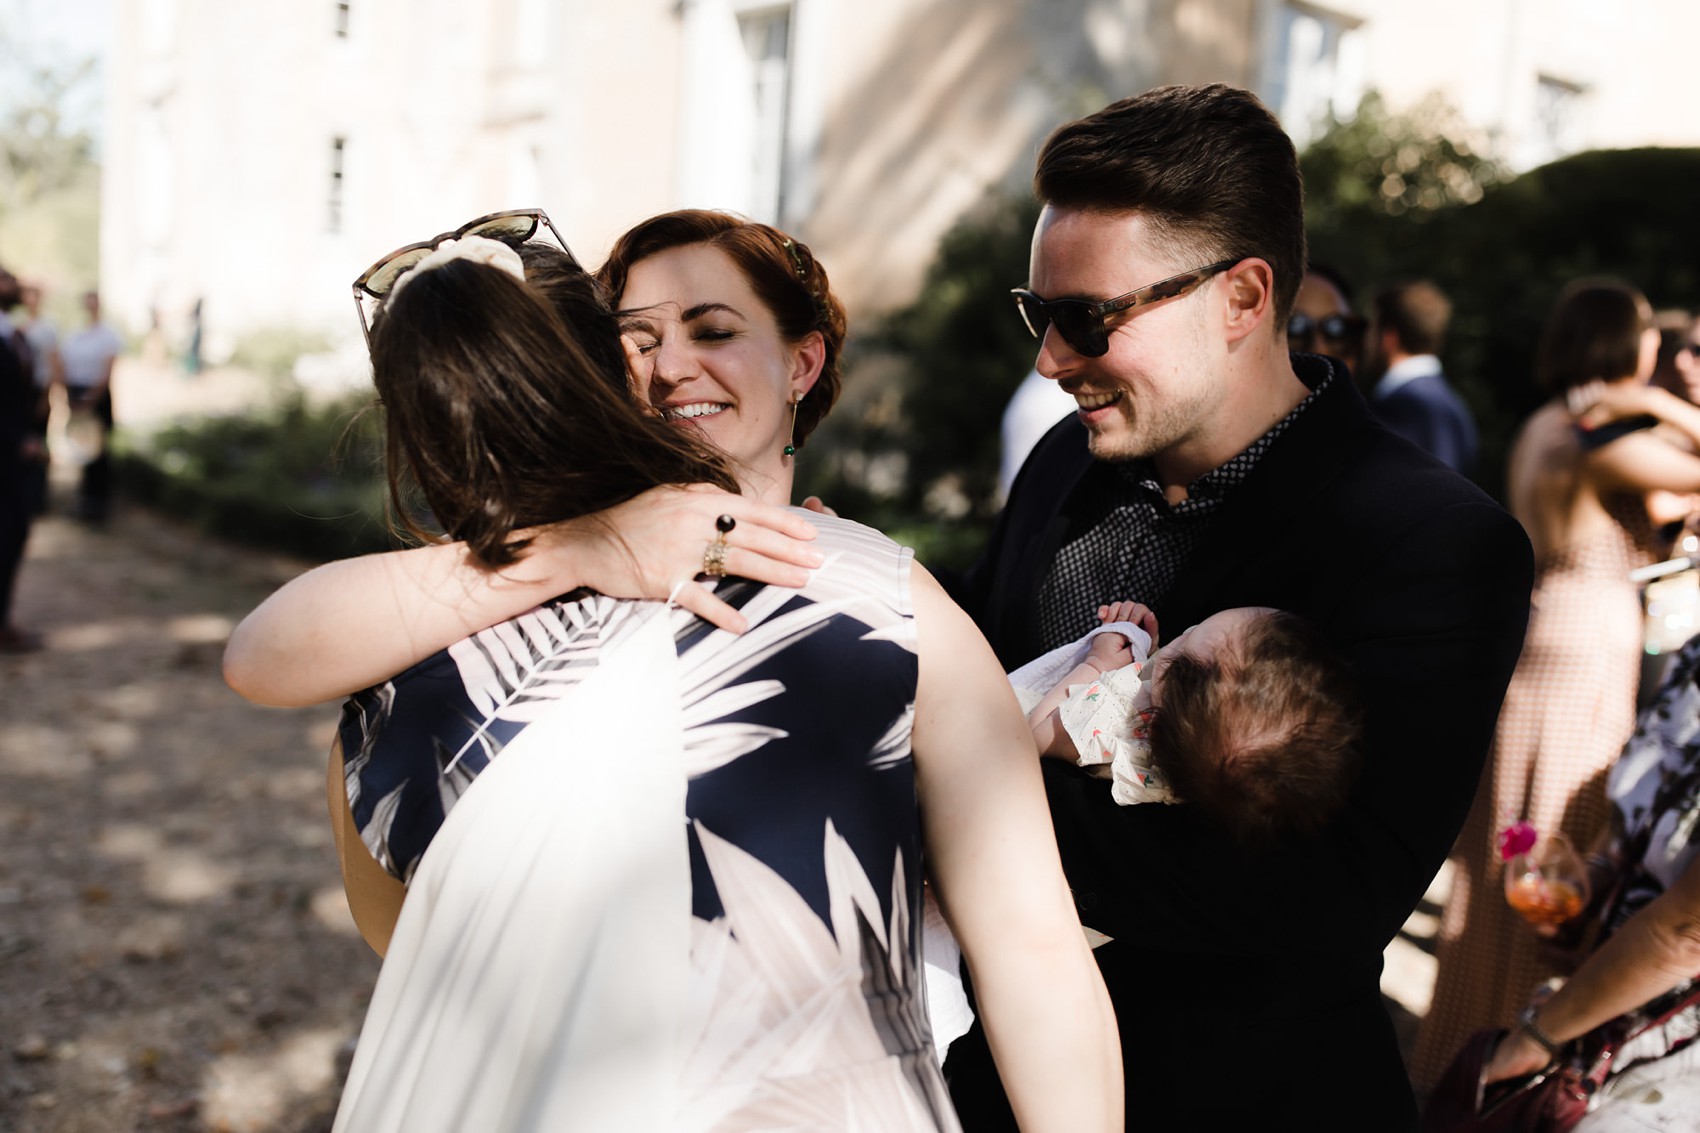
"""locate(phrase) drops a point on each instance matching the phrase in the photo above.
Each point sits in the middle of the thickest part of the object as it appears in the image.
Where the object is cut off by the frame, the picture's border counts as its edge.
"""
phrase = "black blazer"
(1246, 984)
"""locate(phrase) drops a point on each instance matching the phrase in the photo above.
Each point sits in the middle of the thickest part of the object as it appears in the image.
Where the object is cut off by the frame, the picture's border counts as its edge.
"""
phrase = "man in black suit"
(1207, 468)
(1412, 396)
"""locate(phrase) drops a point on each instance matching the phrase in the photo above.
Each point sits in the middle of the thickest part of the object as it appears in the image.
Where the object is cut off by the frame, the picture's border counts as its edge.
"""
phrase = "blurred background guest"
(1411, 395)
(43, 338)
(1678, 365)
(1580, 471)
(1644, 966)
(88, 355)
(20, 452)
(1323, 321)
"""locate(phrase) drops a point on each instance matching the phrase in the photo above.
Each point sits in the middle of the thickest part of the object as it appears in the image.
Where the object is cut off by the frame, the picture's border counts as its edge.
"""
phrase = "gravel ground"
(175, 952)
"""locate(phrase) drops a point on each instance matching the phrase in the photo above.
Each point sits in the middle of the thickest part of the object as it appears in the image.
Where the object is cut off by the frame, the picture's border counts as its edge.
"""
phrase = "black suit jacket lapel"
(1042, 502)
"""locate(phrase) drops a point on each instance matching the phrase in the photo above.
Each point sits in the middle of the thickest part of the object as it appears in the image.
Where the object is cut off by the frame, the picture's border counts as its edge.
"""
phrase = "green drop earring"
(791, 444)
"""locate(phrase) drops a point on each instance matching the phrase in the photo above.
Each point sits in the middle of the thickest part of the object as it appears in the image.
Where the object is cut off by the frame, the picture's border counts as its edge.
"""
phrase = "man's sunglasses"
(514, 226)
(1084, 324)
(1334, 328)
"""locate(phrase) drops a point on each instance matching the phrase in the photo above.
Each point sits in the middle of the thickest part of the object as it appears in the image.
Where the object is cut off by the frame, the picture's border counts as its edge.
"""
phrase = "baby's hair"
(1265, 737)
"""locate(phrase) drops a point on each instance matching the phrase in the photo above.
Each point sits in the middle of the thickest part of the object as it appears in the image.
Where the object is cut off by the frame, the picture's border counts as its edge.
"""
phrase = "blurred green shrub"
(913, 448)
(302, 478)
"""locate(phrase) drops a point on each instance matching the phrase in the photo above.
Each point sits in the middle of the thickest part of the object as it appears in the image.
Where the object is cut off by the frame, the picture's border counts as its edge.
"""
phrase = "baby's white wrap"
(1102, 717)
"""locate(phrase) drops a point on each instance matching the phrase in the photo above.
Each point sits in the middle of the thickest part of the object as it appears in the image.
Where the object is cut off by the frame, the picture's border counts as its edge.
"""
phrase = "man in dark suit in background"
(1207, 468)
(1412, 396)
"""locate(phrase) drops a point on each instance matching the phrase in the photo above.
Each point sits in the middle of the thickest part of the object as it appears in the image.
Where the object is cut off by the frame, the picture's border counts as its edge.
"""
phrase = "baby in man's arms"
(1248, 716)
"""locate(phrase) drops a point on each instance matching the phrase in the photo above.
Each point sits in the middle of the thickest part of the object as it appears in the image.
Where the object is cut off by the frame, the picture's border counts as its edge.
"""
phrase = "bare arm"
(104, 382)
(348, 625)
(1049, 736)
(993, 858)
(1655, 950)
(1662, 458)
(1108, 651)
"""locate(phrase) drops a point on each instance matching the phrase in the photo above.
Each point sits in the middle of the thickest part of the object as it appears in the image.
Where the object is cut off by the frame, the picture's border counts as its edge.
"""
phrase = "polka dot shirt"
(1129, 542)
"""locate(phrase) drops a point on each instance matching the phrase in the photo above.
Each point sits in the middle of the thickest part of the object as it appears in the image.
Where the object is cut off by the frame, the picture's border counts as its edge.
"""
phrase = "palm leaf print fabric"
(805, 1007)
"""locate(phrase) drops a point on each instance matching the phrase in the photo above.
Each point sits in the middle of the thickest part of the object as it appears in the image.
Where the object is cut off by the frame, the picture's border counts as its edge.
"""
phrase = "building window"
(342, 21)
(735, 107)
(766, 33)
(1312, 66)
(333, 213)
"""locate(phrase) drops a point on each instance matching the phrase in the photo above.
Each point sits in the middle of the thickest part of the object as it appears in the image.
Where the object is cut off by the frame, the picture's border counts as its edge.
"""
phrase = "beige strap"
(374, 897)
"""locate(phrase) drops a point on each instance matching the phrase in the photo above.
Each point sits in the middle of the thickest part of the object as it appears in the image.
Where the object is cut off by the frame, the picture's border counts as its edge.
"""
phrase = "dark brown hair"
(1265, 737)
(1594, 332)
(1417, 313)
(507, 405)
(782, 272)
(1208, 166)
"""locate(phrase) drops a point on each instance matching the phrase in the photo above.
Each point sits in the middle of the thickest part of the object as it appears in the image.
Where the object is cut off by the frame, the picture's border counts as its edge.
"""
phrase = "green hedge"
(298, 478)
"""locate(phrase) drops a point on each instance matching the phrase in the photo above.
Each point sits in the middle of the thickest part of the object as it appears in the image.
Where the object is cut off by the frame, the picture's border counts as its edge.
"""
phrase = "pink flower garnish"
(1518, 838)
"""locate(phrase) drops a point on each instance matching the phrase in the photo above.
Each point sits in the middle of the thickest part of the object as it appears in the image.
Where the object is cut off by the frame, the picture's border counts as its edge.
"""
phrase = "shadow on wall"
(963, 93)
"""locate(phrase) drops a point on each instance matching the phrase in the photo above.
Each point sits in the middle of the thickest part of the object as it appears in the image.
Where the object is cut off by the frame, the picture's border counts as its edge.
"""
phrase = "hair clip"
(796, 259)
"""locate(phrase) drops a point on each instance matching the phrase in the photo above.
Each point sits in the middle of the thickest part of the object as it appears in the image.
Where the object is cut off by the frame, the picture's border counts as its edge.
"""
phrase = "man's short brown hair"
(1264, 737)
(1417, 313)
(1208, 166)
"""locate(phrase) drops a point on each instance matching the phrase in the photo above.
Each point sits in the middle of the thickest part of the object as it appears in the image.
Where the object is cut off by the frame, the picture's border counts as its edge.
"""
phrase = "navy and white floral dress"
(660, 876)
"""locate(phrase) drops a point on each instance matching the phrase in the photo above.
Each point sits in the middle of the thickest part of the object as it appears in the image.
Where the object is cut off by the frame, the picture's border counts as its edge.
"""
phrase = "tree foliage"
(49, 176)
(42, 152)
(920, 458)
(1374, 180)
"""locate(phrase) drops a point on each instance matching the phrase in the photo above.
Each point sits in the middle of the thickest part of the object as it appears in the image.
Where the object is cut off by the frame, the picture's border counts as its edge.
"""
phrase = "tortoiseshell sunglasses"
(512, 226)
(1083, 324)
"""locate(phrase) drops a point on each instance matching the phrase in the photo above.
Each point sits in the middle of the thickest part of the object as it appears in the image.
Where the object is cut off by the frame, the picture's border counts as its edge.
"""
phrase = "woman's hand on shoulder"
(652, 546)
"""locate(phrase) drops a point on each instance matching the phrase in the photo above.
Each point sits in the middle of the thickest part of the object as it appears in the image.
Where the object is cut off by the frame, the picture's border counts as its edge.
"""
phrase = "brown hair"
(784, 274)
(1208, 166)
(1594, 332)
(507, 405)
(1265, 737)
(1417, 313)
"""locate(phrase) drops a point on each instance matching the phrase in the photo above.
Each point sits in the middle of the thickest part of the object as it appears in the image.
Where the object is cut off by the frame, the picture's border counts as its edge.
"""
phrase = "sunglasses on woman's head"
(1084, 325)
(512, 226)
(1335, 328)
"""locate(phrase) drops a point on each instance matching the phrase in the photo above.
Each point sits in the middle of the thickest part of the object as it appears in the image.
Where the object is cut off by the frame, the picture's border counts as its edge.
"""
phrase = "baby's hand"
(1109, 651)
(1140, 615)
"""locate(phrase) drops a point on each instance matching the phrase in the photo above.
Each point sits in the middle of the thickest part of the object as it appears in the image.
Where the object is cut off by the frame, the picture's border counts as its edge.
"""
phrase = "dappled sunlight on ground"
(330, 906)
(171, 873)
(175, 950)
(247, 1093)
